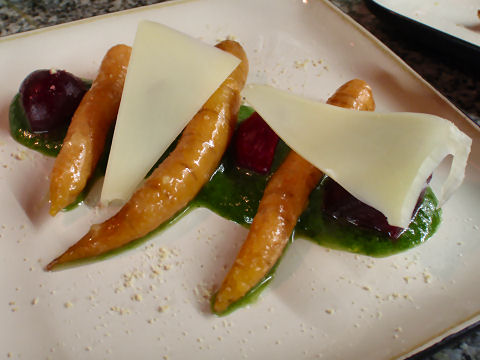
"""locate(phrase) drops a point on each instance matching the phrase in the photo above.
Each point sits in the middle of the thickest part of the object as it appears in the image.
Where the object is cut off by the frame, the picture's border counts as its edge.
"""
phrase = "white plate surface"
(323, 304)
(456, 18)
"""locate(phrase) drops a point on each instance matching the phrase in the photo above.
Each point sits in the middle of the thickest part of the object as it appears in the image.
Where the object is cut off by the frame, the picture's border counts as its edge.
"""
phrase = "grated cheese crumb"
(427, 277)
(119, 310)
(163, 308)
(137, 297)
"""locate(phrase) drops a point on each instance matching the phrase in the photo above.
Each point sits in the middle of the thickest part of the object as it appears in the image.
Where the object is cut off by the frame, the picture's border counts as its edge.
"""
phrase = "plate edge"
(475, 318)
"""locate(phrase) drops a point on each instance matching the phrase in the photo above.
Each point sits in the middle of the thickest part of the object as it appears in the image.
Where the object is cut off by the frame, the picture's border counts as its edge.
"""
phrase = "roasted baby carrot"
(86, 135)
(179, 177)
(283, 201)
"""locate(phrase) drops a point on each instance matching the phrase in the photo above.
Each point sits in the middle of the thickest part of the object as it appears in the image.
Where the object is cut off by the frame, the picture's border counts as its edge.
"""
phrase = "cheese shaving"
(383, 159)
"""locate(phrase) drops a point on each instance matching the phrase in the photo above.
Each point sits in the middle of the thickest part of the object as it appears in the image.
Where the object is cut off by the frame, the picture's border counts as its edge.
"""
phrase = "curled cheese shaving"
(383, 159)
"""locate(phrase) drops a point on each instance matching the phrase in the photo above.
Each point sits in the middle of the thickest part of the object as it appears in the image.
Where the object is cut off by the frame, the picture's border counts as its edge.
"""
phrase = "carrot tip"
(51, 266)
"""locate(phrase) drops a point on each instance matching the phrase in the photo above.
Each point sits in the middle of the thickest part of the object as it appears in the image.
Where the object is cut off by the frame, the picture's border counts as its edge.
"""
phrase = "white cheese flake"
(383, 159)
(170, 76)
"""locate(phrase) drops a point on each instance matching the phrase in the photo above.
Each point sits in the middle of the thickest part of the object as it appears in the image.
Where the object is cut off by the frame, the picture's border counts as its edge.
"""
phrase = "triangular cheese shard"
(170, 76)
(383, 159)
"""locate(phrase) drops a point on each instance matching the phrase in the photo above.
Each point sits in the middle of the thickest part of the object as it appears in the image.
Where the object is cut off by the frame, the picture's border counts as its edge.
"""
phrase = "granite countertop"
(455, 79)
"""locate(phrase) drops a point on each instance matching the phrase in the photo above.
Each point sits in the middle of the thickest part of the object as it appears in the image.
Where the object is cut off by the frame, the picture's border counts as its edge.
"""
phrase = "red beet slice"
(254, 144)
(343, 206)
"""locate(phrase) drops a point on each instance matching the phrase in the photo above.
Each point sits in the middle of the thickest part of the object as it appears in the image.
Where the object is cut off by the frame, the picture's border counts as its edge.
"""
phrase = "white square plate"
(152, 302)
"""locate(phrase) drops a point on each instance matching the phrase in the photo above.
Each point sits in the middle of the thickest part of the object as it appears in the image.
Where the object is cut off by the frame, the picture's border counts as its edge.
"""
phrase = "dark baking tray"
(437, 40)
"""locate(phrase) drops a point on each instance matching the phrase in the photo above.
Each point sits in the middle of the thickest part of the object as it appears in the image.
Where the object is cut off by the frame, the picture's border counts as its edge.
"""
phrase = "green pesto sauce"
(234, 193)
(328, 232)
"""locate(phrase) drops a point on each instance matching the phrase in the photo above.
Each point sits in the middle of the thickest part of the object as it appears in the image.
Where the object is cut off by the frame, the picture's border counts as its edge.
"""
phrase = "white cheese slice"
(170, 76)
(383, 159)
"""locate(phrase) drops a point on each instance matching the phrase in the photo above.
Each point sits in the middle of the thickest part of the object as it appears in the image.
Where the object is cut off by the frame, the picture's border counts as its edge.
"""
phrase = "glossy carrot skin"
(283, 201)
(86, 135)
(179, 177)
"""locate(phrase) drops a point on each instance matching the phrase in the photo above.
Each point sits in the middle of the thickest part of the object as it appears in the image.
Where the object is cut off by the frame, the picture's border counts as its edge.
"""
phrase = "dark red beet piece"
(341, 205)
(254, 144)
(50, 98)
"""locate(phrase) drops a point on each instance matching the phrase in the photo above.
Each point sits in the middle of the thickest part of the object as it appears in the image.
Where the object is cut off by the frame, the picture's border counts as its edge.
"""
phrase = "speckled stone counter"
(458, 81)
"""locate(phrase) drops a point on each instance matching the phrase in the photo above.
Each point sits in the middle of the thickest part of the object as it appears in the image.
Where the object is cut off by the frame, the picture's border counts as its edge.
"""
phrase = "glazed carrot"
(86, 135)
(179, 177)
(283, 201)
